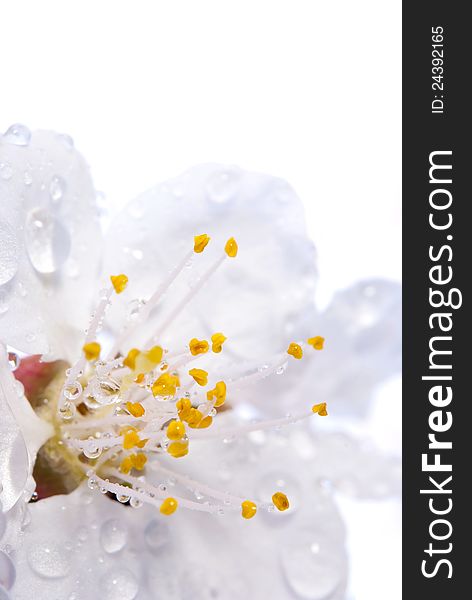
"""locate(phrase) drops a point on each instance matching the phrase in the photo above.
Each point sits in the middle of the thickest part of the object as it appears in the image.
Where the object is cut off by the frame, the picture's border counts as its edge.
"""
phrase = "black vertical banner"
(437, 358)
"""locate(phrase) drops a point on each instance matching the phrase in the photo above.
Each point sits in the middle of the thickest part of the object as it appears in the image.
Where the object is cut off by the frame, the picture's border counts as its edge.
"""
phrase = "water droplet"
(113, 536)
(156, 535)
(91, 450)
(223, 185)
(73, 390)
(123, 498)
(119, 584)
(66, 139)
(17, 134)
(135, 502)
(27, 178)
(47, 241)
(281, 369)
(49, 561)
(6, 171)
(7, 571)
(313, 568)
(8, 253)
(57, 188)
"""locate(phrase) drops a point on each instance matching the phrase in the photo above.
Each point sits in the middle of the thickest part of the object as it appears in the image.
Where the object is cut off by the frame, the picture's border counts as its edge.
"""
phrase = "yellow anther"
(126, 465)
(119, 282)
(168, 506)
(231, 247)
(280, 501)
(175, 430)
(147, 361)
(198, 346)
(130, 360)
(317, 342)
(194, 417)
(295, 350)
(91, 350)
(139, 378)
(130, 439)
(203, 423)
(165, 385)
(138, 460)
(200, 376)
(320, 409)
(218, 393)
(183, 407)
(217, 341)
(178, 449)
(200, 242)
(135, 408)
(248, 509)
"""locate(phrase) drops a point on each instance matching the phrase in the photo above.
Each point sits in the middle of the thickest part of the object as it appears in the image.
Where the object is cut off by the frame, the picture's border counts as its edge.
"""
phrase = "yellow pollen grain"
(194, 417)
(130, 360)
(165, 385)
(126, 465)
(317, 342)
(218, 393)
(231, 247)
(248, 509)
(280, 501)
(138, 461)
(295, 350)
(204, 423)
(200, 242)
(198, 346)
(183, 407)
(139, 378)
(200, 376)
(217, 341)
(119, 282)
(175, 430)
(178, 449)
(135, 408)
(91, 350)
(168, 506)
(130, 439)
(320, 409)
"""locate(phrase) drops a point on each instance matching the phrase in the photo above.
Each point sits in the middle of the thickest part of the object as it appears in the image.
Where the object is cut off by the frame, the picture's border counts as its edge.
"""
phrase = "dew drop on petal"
(17, 134)
(47, 241)
(8, 253)
(113, 536)
(7, 571)
(6, 171)
(223, 185)
(49, 561)
(156, 535)
(313, 569)
(57, 188)
(119, 584)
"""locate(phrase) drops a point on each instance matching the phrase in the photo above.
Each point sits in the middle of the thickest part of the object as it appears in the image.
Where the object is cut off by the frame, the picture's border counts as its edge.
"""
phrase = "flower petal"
(50, 243)
(253, 298)
(22, 433)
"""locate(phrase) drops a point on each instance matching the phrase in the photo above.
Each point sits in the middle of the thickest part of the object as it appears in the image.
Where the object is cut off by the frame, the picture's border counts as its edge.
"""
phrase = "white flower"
(116, 415)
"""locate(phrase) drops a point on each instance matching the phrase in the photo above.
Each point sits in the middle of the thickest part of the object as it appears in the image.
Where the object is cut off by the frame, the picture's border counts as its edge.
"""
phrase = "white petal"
(49, 244)
(190, 555)
(22, 433)
(257, 299)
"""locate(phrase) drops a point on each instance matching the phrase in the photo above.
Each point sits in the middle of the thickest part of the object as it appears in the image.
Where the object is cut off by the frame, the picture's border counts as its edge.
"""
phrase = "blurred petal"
(22, 433)
(256, 299)
(49, 242)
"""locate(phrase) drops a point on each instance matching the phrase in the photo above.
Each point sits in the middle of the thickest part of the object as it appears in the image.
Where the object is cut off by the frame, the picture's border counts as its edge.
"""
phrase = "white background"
(306, 90)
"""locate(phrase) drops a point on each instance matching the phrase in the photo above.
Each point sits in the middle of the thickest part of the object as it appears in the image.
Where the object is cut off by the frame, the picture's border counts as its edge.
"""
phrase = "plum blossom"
(178, 392)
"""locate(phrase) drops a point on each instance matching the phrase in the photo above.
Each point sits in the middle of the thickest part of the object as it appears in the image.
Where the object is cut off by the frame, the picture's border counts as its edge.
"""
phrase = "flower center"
(116, 414)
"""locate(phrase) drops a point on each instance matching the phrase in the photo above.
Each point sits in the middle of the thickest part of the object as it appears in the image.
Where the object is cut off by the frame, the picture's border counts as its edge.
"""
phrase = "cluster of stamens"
(117, 412)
